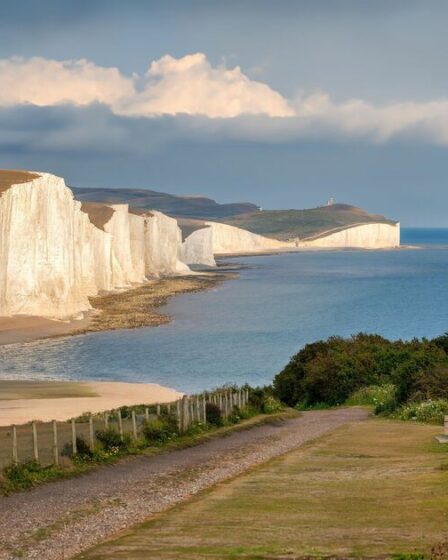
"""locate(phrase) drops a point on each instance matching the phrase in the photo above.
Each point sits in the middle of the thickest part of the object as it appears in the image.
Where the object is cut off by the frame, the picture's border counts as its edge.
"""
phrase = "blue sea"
(247, 329)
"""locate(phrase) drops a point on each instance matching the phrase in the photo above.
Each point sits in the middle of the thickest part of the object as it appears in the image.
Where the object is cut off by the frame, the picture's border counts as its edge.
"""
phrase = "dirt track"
(59, 520)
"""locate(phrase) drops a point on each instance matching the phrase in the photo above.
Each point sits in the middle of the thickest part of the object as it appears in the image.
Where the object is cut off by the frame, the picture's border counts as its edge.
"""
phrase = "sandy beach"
(22, 401)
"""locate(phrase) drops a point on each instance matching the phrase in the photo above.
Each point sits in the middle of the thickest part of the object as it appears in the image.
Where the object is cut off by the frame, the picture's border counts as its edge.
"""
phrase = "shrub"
(430, 412)
(111, 441)
(381, 397)
(161, 429)
(82, 448)
(330, 371)
(213, 414)
(27, 475)
(271, 405)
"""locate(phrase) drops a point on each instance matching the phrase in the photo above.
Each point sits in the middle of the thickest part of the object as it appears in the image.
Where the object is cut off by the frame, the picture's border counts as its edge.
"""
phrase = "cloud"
(190, 85)
(43, 82)
(208, 101)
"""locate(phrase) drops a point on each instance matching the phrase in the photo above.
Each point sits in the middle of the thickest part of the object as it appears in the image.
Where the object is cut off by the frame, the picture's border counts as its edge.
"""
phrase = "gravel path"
(58, 520)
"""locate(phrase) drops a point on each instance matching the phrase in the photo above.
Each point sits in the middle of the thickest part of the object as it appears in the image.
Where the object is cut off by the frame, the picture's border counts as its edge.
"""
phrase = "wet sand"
(76, 399)
(19, 329)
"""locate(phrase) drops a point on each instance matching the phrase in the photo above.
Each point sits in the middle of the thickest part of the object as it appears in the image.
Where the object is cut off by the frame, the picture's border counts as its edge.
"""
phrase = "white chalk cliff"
(197, 248)
(55, 252)
(361, 236)
(229, 240)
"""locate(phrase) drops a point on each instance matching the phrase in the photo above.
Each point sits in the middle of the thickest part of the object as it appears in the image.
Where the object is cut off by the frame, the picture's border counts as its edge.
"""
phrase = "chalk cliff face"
(363, 236)
(55, 253)
(230, 240)
(197, 248)
(163, 240)
(45, 269)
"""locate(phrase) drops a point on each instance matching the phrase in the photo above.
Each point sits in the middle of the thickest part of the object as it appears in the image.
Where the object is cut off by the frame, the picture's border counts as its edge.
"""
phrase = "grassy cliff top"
(280, 224)
(198, 207)
(287, 224)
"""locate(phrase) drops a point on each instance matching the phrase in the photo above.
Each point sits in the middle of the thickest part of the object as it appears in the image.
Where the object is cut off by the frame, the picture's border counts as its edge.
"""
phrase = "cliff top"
(288, 224)
(196, 207)
(99, 214)
(9, 177)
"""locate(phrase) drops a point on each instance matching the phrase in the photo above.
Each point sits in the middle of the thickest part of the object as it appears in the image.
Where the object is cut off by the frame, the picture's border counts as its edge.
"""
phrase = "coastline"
(78, 398)
(130, 309)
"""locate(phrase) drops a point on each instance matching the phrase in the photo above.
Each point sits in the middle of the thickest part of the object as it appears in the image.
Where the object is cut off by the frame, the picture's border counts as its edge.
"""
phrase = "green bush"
(271, 405)
(381, 397)
(332, 370)
(213, 414)
(27, 475)
(82, 448)
(430, 412)
(160, 430)
(111, 441)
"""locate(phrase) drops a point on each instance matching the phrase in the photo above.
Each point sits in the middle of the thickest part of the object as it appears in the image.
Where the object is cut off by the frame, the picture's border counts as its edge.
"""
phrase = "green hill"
(197, 207)
(287, 224)
(280, 224)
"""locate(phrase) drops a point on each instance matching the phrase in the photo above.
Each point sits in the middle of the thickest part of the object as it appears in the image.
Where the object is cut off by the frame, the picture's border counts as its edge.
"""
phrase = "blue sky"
(281, 103)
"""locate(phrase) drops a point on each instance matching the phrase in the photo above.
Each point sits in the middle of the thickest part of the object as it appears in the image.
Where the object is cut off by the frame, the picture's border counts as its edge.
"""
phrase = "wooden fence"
(47, 442)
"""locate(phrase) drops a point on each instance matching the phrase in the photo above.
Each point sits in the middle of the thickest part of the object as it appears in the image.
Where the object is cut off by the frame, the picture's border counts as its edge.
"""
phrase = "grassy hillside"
(178, 206)
(286, 224)
(280, 224)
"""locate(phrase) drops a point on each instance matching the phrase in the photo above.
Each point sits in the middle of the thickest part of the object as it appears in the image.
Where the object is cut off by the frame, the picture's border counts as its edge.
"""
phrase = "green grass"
(285, 224)
(372, 489)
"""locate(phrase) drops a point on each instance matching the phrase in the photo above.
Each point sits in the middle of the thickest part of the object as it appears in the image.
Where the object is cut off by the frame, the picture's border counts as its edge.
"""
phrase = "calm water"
(246, 329)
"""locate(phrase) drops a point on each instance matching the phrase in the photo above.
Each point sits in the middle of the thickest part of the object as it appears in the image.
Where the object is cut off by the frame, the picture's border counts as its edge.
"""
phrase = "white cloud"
(43, 82)
(216, 100)
(192, 86)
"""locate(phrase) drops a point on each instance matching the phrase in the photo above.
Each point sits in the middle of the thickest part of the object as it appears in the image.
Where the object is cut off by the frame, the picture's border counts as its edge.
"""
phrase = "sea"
(247, 329)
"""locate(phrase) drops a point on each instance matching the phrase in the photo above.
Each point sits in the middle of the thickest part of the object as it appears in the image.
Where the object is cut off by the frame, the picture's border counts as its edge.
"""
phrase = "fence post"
(15, 458)
(106, 420)
(120, 424)
(134, 425)
(55, 443)
(146, 414)
(35, 444)
(191, 410)
(158, 410)
(198, 409)
(91, 435)
(168, 408)
(184, 414)
(179, 415)
(204, 408)
(74, 447)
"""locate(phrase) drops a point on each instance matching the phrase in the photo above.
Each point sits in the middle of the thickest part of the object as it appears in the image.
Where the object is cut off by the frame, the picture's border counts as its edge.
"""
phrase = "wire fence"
(47, 442)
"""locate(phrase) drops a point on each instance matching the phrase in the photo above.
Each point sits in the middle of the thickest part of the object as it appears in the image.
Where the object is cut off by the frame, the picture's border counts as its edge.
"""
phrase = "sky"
(284, 104)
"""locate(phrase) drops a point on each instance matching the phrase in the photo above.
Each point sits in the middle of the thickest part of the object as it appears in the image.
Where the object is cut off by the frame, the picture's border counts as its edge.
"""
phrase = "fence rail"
(47, 442)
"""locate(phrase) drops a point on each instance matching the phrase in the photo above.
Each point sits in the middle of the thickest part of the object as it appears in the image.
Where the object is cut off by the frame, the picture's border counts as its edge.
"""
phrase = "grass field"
(372, 489)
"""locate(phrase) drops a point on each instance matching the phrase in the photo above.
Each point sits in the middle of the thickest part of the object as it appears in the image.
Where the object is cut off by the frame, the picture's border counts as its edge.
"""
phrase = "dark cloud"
(92, 147)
